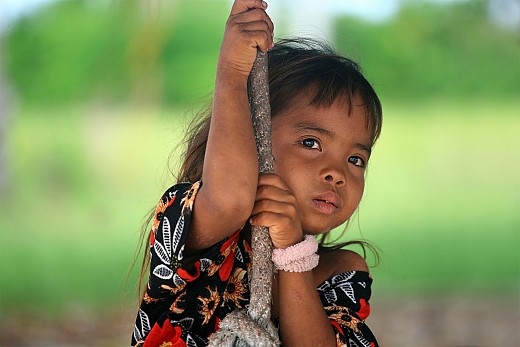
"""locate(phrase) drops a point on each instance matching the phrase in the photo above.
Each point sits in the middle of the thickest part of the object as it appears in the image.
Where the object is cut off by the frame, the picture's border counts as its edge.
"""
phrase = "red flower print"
(217, 323)
(236, 288)
(165, 336)
(171, 200)
(185, 275)
(228, 249)
(232, 239)
(189, 198)
(209, 304)
(152, 238)
(226, 258)
(364, 311)
(341, 316)
(337, 326)
(227, 266)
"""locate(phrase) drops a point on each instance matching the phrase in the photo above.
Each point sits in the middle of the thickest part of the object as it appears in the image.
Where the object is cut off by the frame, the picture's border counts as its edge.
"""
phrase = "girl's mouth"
(324, 206)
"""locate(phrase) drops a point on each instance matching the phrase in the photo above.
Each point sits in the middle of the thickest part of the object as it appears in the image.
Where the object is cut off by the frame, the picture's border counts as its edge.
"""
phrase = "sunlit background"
(95, 95)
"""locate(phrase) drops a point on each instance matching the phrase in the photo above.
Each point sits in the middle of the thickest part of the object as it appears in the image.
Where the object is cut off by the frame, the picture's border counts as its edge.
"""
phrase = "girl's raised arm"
(230, 174)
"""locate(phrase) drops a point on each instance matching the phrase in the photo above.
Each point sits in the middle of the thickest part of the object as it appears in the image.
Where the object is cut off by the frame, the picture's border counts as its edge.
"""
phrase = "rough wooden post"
(262, 271)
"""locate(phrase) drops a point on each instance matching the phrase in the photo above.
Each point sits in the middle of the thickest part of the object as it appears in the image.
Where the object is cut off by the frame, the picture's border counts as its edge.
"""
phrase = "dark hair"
(295, 66)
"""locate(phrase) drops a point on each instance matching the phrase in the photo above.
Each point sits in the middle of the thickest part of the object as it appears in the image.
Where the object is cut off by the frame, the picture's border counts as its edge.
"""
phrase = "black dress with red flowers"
(185, 301)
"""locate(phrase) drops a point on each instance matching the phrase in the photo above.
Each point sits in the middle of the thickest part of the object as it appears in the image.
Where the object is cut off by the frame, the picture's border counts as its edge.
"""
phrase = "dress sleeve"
(345, 300)
(170, 227)
(185, 299)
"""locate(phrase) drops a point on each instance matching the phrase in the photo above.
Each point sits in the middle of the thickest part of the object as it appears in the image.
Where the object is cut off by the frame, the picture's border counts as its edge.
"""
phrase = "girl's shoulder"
(336, 262)
(347, 260)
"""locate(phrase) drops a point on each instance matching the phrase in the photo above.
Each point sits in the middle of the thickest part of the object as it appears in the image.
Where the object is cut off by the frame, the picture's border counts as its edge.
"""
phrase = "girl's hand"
(276, 208)
(248, 28)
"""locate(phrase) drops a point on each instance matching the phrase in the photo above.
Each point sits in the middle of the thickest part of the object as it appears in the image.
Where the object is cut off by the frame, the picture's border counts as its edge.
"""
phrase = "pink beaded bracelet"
(300, 257)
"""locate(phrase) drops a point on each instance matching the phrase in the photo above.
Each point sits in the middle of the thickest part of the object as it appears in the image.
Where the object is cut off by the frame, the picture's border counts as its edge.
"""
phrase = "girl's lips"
(325, 207)
(328, 197)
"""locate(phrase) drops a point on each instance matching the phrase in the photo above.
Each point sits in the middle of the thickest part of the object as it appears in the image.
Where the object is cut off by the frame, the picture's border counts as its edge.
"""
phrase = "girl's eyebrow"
(363, 147)
(300, 127)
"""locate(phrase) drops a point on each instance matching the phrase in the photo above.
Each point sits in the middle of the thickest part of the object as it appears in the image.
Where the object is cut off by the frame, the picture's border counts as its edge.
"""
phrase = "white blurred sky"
(301, 12)
(372, 9)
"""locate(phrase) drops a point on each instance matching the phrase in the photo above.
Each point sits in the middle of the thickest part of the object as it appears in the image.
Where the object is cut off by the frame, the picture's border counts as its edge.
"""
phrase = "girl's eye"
(358, 161)
(311, 143)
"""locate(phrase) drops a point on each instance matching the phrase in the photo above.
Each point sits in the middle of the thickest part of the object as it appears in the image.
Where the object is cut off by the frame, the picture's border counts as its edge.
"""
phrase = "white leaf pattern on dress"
(341, 281)
(172, 195)
(345, 276)
(177, 234)
(363, 284)
(178, 281)
(239, 256)
(348, 290)
(331, 297)
(364, 342)
(137, 334)
(145, 322)
(187, 322)
(167, 236)
(205, 264)
(328, 291)
(324, 286)
(161, 252)
(190, 342)
(163, 272)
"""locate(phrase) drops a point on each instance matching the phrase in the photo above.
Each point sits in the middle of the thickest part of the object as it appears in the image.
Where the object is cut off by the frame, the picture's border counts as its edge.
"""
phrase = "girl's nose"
(335, 178)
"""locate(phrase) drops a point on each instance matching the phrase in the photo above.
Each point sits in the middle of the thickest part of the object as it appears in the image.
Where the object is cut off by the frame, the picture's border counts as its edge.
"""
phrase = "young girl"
(325, 120)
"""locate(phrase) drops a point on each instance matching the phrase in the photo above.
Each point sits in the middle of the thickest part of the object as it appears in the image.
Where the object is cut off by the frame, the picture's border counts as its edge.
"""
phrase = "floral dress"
(184, 303)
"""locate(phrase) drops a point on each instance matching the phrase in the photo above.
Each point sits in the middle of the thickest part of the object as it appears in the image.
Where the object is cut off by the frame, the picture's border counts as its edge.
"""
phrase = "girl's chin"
(321, 225)
(316, 231)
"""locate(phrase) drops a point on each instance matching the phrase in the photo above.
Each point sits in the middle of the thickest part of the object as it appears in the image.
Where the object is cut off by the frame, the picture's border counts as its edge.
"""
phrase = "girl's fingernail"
(264, 4)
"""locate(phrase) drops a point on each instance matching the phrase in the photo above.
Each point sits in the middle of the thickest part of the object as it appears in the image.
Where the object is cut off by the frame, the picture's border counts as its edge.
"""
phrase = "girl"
(325, 119)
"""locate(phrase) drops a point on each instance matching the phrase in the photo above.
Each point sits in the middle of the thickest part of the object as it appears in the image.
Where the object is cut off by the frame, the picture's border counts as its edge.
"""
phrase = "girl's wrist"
(278, 244)
(299, 257)
(229, 77)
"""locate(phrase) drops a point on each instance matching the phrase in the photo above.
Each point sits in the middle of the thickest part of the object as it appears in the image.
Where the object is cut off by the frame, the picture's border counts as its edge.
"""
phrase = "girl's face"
(321, 153)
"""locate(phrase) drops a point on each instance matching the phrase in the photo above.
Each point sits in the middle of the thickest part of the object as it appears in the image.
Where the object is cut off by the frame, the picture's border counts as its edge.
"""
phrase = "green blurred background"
(95, 95)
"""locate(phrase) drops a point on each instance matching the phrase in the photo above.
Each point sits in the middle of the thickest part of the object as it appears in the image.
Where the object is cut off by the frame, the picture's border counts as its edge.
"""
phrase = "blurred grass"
(81, 185)
(442, 201)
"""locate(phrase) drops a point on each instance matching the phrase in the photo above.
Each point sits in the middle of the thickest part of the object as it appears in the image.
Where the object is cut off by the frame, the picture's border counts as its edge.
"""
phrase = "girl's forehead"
(340, 118)
(341, 107)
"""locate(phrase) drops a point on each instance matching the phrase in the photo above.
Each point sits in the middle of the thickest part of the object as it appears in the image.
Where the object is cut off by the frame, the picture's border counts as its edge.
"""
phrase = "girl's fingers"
(265, 192)
(271, 179)
(240, 6)
(257, 35)
(254, 16)
(269, 219)
(274, 206)
(255, 26)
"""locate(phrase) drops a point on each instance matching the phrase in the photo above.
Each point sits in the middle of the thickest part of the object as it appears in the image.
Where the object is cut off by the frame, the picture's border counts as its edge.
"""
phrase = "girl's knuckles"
(262, 190)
